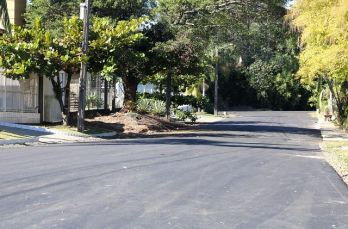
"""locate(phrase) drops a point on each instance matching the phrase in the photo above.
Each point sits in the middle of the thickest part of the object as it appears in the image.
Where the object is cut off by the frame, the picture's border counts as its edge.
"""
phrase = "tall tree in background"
(5, 19)
(196, 27)
(53, 12)
(258, 34)
(324, 31)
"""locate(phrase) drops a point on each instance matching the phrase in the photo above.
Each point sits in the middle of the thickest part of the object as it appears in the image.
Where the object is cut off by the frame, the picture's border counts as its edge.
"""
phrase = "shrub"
(144, 106)
(92, 100)
(177, 100)
(158, 107)
(183, 115)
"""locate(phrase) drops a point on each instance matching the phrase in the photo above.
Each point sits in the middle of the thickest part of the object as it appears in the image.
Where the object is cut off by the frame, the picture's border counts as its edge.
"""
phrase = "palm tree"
(4, 18)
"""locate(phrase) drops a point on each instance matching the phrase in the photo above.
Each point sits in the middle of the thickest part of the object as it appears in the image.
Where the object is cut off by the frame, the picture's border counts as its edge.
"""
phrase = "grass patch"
(9, 136)
(89, 130)
(340, 148)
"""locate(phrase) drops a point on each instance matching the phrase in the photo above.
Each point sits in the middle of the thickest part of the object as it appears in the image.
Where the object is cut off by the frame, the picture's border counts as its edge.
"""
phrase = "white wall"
(19, 100)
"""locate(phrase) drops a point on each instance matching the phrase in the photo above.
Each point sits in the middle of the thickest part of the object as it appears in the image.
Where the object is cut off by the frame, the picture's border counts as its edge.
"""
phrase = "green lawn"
(8, 136)
(89, 130)
(340, 148)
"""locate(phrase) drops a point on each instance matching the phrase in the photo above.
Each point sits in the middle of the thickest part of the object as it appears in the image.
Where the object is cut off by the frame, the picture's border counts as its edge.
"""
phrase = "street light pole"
(216, 81)
(83, 72)
(217, 78)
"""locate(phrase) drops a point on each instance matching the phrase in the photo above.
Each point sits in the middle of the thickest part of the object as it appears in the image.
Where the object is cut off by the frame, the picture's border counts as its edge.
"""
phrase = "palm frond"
(4, 17)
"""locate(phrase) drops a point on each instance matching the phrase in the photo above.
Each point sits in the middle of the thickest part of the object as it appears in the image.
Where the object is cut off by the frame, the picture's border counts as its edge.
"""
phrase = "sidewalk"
(331, 132)
(42, 135)
(208, 119)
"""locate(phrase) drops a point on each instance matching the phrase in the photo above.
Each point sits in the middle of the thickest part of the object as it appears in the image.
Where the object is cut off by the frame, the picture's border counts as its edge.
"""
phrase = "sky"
(290, 3)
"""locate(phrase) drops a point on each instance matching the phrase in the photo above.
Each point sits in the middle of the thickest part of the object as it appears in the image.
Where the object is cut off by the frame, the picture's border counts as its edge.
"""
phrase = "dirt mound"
(126, 123)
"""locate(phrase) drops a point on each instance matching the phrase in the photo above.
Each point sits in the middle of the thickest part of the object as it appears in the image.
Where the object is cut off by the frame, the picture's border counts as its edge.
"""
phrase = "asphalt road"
(257, 170)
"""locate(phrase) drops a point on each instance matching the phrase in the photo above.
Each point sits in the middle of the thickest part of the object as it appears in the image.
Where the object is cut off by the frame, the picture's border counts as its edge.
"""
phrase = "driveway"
(256, 170)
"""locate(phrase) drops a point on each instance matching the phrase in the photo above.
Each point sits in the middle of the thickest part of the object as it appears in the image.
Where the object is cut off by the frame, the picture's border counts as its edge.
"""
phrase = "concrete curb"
(19, 141)
(26, 127)
(41, 129)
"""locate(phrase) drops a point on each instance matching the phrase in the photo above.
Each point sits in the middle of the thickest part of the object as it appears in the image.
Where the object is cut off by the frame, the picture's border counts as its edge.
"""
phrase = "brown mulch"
(138, 125)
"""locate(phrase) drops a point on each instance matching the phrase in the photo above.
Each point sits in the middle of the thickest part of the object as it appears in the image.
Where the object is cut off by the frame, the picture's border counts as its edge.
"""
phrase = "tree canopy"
(324, 31)
(35, 50)
(181, 36)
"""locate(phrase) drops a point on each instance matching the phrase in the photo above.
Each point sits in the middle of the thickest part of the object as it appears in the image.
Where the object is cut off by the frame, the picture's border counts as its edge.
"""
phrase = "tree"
(324, 30)
(258, 35)
(111, 56)
(35, 51)
(53, 12)
(119, 51)
(5, 19)
(122, 9)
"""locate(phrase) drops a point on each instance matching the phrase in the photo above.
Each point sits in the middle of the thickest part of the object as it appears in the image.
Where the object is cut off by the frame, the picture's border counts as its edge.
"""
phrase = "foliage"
(109, 45)
(4, 17)
(115, 28)
(324, 28)
(158, 107)
(92, 100)
(177, 99)
(184, 115)
(155, 107)
(144, 106)
(122, 9)
(53, 13)
(36, 51)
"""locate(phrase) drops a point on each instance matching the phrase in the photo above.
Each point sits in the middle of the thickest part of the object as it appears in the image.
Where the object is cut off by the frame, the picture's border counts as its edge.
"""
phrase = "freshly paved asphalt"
(256, 170)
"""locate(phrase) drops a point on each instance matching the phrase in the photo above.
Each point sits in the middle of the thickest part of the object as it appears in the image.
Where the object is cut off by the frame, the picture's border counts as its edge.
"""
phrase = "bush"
(155, 107)
(92, 100)
(158, 107)
(183, 115)
(144, 106)
(178, 100)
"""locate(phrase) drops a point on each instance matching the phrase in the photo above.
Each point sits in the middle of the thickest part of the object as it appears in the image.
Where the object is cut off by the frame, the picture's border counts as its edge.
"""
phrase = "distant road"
(256, 170)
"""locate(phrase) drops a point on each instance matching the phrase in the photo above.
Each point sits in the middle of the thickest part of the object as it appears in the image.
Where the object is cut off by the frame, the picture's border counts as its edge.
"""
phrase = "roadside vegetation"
(4, 135)
(336, 154)
(171, 44)
(340, 148)
(89, 130)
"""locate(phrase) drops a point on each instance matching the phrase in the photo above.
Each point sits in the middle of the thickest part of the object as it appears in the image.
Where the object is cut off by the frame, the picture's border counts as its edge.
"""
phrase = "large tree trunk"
(130, 85)
(58, 93)
(339, 103)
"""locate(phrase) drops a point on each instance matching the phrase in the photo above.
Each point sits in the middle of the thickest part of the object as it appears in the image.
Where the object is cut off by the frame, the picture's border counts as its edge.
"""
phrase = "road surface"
(256, 170)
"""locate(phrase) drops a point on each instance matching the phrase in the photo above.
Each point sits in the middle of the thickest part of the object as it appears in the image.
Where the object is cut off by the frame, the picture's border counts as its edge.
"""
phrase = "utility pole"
(84, 13)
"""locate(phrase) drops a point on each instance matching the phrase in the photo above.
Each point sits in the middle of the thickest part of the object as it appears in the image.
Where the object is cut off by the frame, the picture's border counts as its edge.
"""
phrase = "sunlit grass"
(4, 135)
(88, 130)
(340, 148)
